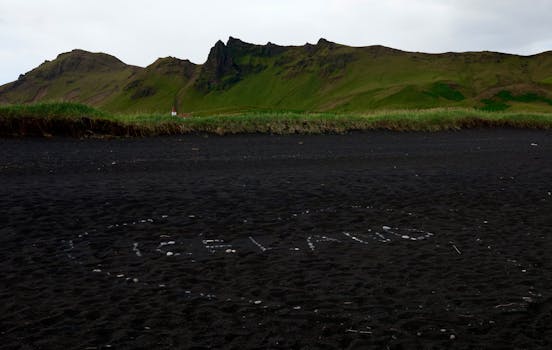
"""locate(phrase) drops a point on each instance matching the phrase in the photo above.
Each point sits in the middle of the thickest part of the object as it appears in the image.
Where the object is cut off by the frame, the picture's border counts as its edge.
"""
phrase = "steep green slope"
(155, 88)
(238, 77)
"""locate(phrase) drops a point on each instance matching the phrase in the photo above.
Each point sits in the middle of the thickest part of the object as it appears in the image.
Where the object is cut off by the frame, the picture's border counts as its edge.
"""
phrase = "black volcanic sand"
(367, 240)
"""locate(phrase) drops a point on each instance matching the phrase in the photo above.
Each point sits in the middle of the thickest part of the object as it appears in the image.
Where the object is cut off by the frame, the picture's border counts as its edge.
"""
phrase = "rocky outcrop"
(172, 66)
(229, 63)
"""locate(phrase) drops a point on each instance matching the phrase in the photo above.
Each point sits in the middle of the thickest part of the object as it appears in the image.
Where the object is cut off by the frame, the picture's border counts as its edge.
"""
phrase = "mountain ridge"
(325, 76)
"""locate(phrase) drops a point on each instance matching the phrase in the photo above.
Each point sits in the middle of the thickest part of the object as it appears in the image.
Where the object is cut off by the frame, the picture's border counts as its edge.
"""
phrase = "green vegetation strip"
(67, 119)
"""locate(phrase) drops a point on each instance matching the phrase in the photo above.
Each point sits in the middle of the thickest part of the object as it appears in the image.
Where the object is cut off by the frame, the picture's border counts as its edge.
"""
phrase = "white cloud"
(139, 31)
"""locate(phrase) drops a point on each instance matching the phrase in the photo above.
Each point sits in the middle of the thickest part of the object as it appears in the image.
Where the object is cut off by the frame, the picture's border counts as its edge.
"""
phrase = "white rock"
(170, 253)
(257, 302)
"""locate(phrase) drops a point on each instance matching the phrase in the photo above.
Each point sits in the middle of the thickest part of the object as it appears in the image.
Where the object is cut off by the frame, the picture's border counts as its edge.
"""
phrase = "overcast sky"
(140, 31)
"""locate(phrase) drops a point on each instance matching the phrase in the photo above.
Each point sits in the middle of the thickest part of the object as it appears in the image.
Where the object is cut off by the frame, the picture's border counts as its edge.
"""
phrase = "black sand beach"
(369, 240)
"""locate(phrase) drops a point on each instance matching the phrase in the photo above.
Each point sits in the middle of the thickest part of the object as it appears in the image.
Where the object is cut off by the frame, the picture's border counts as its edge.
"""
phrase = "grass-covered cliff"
(325, 77)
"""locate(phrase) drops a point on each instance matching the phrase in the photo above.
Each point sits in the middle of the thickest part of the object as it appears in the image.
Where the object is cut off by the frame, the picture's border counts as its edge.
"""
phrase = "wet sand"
(367, 240)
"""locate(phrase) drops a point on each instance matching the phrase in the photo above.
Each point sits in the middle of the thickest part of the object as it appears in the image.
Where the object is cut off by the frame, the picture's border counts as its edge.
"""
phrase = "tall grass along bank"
(75, 120)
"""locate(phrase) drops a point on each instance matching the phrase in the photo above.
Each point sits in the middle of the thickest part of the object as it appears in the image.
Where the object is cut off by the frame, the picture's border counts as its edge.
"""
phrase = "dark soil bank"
(368, 240)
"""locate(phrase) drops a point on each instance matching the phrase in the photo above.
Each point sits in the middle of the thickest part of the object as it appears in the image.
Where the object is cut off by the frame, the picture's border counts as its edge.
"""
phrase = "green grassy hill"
(325, 77)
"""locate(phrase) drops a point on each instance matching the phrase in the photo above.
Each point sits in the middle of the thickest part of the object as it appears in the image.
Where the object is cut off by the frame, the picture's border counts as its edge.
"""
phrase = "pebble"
(452, 337)
(297, 308)
(257, 302)
(170, 253)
